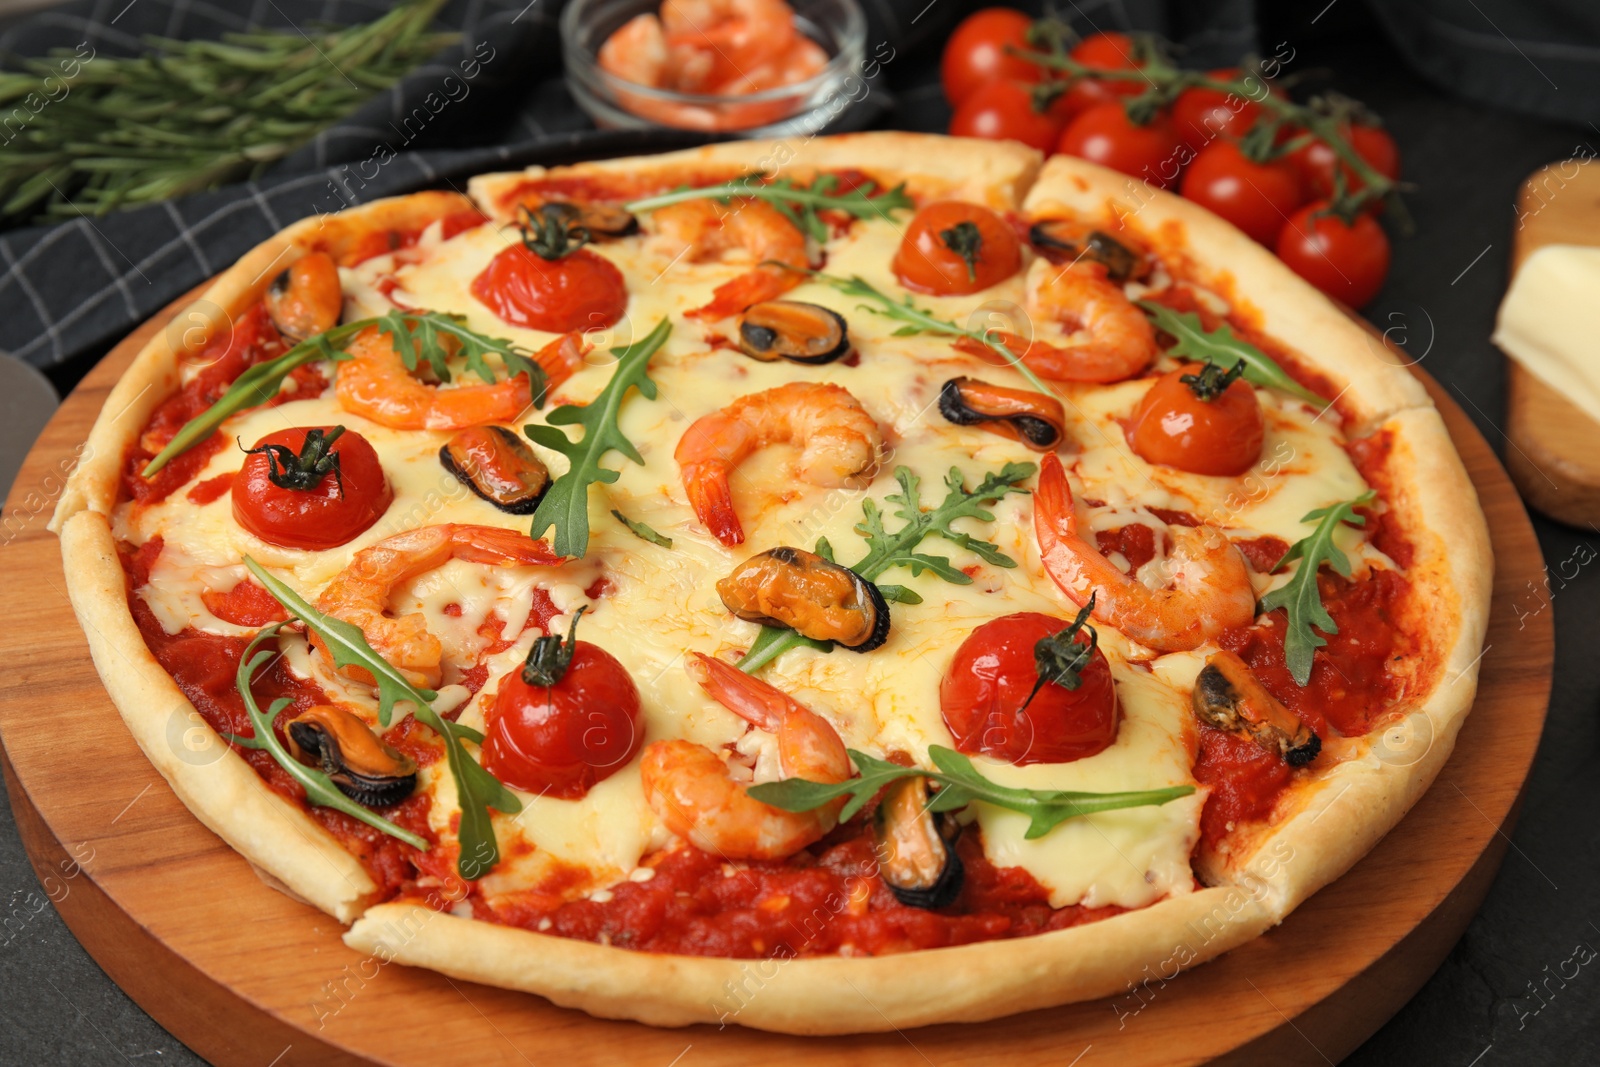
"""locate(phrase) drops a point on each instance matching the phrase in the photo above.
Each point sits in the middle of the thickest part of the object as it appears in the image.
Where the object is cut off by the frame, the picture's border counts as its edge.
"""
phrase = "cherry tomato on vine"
(563, 721)
(985, 693)
(1347, 261)
(976, 53)
(953, 247)
(1201, 115)
(311, 487)
(1199, 418)
(1104, 134)
(1316, 161)
(1004, 110)
(1256, 197)
(1103, 51)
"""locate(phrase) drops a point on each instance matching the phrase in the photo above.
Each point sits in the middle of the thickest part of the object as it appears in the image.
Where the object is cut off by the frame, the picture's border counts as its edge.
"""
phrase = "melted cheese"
(662, 604)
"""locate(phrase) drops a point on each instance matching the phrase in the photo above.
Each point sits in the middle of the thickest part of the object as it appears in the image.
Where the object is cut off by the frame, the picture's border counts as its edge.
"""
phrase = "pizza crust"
(1300, 852)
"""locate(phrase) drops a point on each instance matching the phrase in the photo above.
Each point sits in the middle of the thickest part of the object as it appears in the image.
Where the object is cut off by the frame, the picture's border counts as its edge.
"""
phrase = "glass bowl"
(802, 108)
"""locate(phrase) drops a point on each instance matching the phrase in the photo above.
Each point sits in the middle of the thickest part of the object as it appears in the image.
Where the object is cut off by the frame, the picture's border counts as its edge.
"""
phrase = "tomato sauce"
(1263, 553)
(246, 604)
(1245, 781)
(820, 902)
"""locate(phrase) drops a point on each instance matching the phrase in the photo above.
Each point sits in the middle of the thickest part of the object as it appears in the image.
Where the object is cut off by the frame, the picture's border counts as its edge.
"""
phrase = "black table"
(1523, 985)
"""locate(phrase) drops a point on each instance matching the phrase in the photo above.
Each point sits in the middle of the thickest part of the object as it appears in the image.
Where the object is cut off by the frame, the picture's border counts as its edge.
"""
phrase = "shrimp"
(1120, 344)
(840, 445)
(375, 384)
(689, 788)
(638, 53)
(359, 594)
(741, 34)
(1210, 591)
(704, 229)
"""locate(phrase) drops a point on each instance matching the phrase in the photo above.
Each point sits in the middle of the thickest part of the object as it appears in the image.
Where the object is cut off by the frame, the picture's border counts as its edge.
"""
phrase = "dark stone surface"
(1523, 985)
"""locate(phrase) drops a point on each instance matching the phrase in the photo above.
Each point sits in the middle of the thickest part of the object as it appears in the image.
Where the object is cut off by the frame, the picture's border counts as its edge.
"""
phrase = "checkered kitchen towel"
(71, 289)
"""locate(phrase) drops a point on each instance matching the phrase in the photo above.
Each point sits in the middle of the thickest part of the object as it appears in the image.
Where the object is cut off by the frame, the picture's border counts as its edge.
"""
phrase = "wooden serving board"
(1554, 456)
(245, 975)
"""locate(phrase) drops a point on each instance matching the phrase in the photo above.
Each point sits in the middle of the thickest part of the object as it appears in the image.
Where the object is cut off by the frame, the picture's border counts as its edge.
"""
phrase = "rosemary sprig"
(1300, 598)
(898, 548)
(192, 115)
(417, 337)
(960, 785)
(799, 203)
(318, 786)
(643, 531)
(476, 789)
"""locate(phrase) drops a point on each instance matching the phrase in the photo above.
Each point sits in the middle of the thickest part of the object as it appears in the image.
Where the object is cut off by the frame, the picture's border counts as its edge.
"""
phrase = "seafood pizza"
(882, 556)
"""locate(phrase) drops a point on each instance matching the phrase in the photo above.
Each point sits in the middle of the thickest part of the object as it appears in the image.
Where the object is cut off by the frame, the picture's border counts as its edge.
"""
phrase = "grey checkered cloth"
(73, 288)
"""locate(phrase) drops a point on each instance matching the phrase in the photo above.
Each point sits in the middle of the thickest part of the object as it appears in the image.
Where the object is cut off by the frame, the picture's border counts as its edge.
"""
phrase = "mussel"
(602, 222)
(792, 330)
(916, 848)
(1228, 695)
(804, 592)
(306, 298)
(1037, 420)
(1063, 240)
(498, 465)
(365, 769)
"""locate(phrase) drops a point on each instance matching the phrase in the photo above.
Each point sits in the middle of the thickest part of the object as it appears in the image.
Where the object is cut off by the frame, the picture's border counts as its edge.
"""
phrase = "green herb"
(799, 203)
(118, 131)
(1301, 598)
(960, 785)
(886, 549)
(1060, 657)
(421, 332)
(476, 789)
(318, 786)
(918, 320)
(566, 505)
(304, 470)
(1212, 381)
(965, 241)
(550, 656)
(553, 233)
(1221, 346)
(641, 530)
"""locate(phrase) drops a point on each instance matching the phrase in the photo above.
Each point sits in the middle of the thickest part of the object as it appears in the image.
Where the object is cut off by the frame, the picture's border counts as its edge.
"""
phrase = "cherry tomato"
(329, 514)
(1175, 427)
(930, 258)
(1103, 51)
(579, 291)
(994, 670)
(1347, 262)
(1104, 135)
(1316, 161)
(1003, 110)
(1203, 115)
(562, 739)
(1256, 197)
(976, 53)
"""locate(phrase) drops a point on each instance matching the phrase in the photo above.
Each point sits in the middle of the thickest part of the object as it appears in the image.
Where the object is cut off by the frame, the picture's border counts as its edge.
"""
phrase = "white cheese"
(1549, 322)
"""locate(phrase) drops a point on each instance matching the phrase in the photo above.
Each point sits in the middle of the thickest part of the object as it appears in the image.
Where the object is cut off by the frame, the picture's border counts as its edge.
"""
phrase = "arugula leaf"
(421, 332)
(1301, 598)
(566, 504)
(642, 530)
(319, 787)
(886, 549)
(1221, 347)
(476, 789)
(961, 784)
(798, 203)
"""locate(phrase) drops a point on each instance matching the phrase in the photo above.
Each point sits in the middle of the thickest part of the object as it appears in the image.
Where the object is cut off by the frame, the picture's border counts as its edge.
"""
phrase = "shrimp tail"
(712, 499)
(1052, 500)
(745, 695)
(562, 358)
(753, 287)
(500, 547)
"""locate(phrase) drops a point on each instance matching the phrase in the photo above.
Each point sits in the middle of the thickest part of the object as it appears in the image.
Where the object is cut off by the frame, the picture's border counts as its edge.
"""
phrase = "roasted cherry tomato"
(291, 493)
(1201, 419)
(1316, 161)
(1004, 110)
(953, 247)
(564, 720)
(1201, 116)
(1256, 197)
(577, 291)
(985, 694)
(1347, 261)
(1104, 134)
(1103, 51)
(976, 53)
